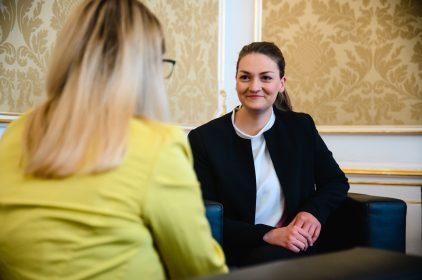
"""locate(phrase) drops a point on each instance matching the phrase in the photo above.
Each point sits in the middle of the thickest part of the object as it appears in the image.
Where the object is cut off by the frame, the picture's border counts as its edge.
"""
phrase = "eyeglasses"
(168, 67)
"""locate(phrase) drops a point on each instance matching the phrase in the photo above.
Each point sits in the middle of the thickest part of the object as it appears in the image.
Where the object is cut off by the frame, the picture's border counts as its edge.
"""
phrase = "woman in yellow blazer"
(93, 185)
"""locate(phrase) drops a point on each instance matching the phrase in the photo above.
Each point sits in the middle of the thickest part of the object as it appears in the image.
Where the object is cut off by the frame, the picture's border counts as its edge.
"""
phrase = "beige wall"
(350, 62)
(191, 30)
(28, 32)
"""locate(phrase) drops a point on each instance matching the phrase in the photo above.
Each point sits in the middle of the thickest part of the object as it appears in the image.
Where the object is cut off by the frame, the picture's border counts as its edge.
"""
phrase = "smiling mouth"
(254, 96)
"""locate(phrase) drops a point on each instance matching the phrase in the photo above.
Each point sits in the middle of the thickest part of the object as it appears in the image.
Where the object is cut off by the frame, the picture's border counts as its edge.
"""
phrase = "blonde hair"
(105, 69)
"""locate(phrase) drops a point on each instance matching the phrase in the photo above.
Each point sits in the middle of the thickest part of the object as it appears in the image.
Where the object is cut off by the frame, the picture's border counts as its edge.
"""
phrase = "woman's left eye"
(266, 78)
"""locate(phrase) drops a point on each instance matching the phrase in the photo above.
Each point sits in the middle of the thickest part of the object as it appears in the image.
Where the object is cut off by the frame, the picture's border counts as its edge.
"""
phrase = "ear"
(282, 84)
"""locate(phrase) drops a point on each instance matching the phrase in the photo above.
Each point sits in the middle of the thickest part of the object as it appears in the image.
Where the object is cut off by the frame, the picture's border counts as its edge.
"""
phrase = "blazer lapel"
(237, 168)
(245, 173)
(281, 148)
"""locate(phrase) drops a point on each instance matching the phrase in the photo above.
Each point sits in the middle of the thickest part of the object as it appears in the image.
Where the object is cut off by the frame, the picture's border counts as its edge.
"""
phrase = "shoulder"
(164, 149)
(161, 150)
(214, 127)
(154, 130)
(295, 122)
(294, 119)
(153, 139)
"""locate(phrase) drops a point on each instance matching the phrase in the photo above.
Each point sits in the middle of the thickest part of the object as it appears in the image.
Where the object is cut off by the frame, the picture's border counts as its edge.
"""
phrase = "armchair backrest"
(214, 213)
(366, 221)
(361, 220)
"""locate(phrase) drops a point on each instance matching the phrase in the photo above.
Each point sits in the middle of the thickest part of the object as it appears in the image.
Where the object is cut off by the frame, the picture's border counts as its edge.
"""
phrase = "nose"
(255, 85)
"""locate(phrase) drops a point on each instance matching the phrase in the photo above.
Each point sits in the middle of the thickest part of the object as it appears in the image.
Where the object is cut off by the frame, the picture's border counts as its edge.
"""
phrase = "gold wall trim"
(222, 96)
(322, 129)
(6, 120)
(395, 184)
(383, 171)
(8, 117)
(413, 201)
(382, 130)
(10, 114)
(405, 129)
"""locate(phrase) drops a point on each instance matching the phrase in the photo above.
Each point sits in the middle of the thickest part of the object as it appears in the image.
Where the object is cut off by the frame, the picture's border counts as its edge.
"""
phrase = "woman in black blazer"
(267, 165)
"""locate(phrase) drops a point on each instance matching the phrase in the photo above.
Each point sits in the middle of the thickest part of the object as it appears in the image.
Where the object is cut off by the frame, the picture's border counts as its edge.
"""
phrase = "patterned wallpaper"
(350, 62)
(28, 31)
(191, 32)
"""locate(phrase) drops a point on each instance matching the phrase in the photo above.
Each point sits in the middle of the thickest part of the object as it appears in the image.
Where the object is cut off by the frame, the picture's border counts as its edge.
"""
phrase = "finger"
(311, 232)
(293, 248)
(316, 233)
(303, 240)
(299, 222)
(306, 225)
(306, 235)
(301, 245)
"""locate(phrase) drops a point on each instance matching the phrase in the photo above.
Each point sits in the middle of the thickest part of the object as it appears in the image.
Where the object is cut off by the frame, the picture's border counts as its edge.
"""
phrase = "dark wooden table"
(358, 263)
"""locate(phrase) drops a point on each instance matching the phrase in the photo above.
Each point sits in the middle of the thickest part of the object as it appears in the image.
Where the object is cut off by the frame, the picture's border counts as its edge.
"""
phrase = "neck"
(251, 122)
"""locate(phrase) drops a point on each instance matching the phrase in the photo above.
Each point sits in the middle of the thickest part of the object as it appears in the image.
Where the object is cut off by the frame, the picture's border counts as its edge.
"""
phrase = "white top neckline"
(244, 135)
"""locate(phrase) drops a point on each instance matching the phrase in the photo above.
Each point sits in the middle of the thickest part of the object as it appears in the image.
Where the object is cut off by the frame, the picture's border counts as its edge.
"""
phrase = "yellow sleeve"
(175, 213)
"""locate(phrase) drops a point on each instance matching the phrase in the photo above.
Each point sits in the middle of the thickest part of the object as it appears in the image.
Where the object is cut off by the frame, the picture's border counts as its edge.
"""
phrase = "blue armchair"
(361, 220)
(214, 213)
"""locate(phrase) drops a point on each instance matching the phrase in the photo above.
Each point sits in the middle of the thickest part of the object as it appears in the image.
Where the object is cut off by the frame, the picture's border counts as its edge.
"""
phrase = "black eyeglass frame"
(173, 63)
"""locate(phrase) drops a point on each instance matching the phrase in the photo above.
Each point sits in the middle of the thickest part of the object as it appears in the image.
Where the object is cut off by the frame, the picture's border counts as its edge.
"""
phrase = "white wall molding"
(257, 20)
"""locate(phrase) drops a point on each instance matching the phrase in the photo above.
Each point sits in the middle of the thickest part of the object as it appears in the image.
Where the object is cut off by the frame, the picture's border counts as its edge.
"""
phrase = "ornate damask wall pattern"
(28, 32)
(350, 62)
(191, 32)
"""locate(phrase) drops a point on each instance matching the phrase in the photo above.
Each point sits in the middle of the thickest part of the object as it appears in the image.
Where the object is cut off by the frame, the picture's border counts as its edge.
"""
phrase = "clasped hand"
(300, 234)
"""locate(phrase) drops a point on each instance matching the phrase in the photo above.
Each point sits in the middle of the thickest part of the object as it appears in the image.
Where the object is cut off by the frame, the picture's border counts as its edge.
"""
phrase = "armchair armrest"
(365, 220)
(214, 213)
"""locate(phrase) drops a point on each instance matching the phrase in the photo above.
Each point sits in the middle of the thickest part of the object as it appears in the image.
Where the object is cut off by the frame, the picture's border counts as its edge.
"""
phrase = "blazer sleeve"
(330, 181)
(176, 215)
(237, 234)
(202, 167)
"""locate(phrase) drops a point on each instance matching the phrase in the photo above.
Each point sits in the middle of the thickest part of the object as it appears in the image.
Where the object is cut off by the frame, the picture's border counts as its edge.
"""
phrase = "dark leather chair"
(361, 220)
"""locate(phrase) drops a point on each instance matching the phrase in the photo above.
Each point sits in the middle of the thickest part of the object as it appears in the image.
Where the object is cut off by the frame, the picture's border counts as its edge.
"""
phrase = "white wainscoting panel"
(384, 164)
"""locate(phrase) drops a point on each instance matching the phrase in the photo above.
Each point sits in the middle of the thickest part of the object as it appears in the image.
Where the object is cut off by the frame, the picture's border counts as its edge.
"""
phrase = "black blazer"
(310, 177)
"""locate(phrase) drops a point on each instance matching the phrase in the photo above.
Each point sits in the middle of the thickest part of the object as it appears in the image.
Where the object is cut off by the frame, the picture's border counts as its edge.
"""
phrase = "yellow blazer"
(142, 220)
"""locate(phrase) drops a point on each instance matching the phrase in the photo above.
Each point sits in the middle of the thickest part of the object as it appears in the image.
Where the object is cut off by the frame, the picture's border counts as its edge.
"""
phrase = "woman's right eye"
(243, 77)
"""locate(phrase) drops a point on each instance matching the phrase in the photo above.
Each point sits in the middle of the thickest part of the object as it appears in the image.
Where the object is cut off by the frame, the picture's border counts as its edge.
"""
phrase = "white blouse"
(269, 194)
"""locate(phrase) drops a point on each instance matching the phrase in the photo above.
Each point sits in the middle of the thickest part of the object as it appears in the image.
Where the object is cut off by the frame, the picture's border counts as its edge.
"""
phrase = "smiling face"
(258, 82)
